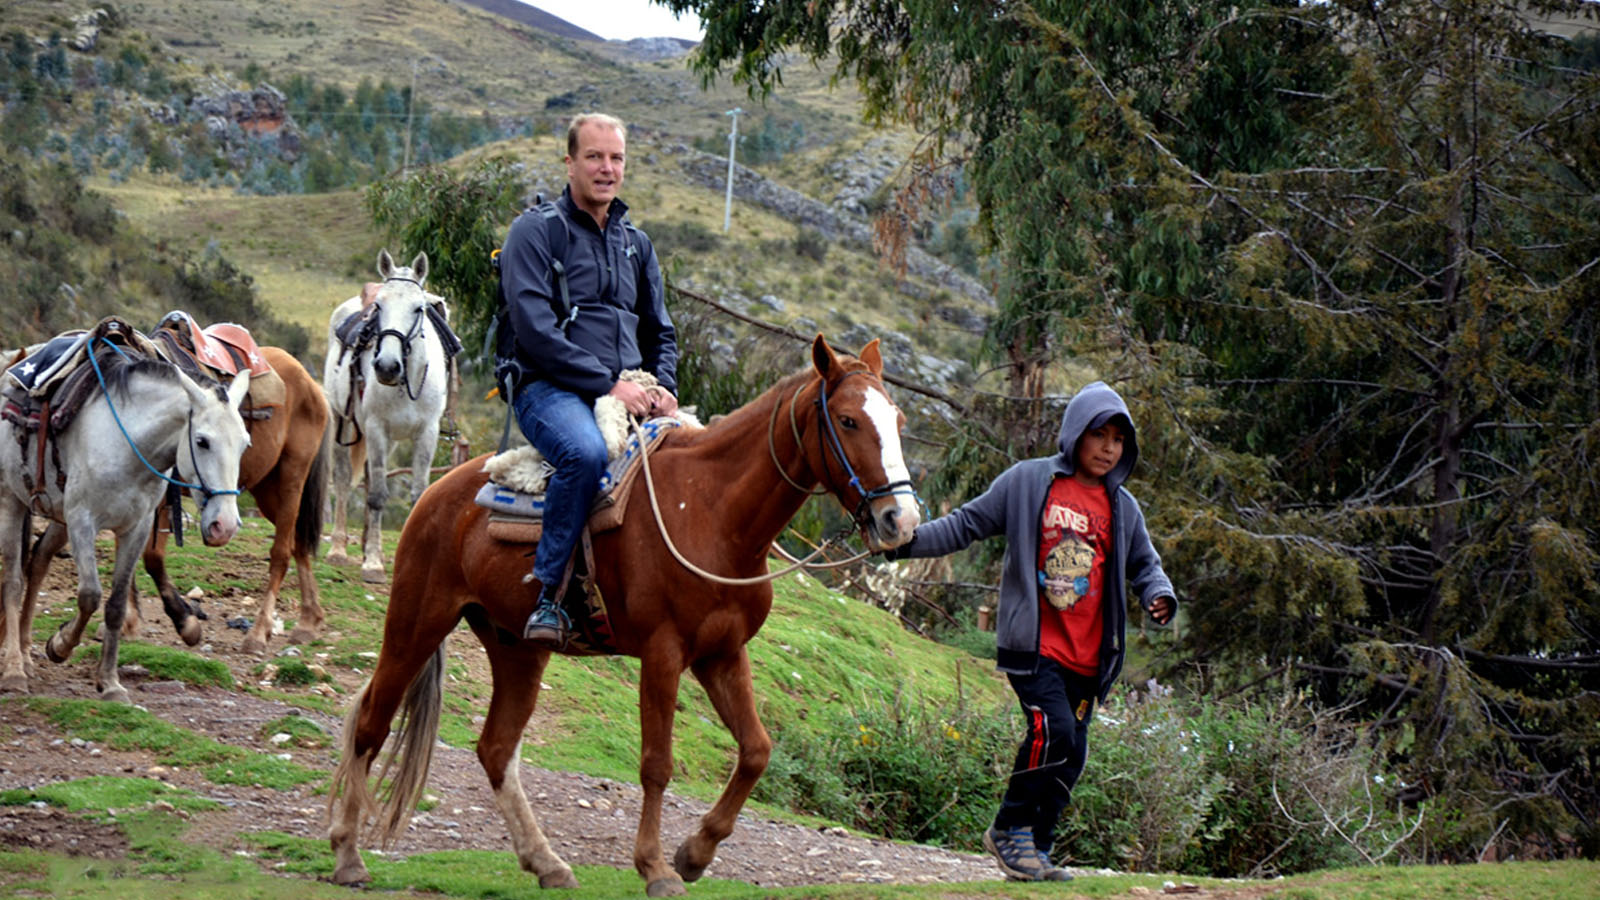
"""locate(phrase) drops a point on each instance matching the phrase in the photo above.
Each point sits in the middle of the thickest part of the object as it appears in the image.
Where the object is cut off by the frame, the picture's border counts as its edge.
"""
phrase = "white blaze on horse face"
(886, 420)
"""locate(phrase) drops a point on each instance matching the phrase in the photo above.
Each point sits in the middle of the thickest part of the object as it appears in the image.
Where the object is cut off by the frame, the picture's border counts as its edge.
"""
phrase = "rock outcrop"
(835, 224)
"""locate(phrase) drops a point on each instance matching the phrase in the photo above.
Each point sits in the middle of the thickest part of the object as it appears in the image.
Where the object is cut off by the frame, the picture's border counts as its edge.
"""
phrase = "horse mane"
(119, 368)
(782, 389)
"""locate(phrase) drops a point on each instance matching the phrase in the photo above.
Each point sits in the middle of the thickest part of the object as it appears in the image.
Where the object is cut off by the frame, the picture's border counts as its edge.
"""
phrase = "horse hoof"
(54, 654)
(14, 684)
(666, 887)
(254, 647)
(118, 694)
(373, 574)
(356, 873)
(686, 870)
(302, 636)
(191, 631)
(337, 558)
(562, 878)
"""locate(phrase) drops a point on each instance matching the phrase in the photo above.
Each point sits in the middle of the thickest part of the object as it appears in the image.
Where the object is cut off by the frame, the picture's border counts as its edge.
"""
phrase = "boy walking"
(1075, 545)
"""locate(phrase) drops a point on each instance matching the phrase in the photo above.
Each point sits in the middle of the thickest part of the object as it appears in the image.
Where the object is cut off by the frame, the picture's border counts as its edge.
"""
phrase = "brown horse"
(286, 471)
(723, 494)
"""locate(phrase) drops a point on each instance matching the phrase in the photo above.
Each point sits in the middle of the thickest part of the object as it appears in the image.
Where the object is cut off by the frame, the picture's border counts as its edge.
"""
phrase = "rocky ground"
(588, 820)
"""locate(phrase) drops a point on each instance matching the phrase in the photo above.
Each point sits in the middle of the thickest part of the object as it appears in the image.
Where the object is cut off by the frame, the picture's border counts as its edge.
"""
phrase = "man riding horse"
(559, 356)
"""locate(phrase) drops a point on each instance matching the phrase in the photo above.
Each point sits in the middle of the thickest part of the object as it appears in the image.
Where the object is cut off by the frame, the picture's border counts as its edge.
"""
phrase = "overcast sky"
(620, 20)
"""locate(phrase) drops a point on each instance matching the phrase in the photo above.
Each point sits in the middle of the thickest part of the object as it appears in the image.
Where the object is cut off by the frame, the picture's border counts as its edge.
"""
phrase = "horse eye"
(203, 442)
(847, 422)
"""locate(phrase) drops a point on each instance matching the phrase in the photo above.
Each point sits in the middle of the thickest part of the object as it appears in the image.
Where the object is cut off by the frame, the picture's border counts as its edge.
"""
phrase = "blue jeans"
(560, 425)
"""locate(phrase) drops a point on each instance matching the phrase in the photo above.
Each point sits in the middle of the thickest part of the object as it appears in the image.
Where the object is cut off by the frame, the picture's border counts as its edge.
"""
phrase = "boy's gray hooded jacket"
(1014, 506)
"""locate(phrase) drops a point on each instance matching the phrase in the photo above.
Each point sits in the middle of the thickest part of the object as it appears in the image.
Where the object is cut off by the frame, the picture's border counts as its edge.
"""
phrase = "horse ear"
(238, 389)
(872, 356)
(197, 394)
(385, 264)
(419, 266)
(822, 356)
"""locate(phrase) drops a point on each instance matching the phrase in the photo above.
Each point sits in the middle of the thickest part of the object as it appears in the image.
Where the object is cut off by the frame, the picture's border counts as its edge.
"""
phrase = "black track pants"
(1057, 704)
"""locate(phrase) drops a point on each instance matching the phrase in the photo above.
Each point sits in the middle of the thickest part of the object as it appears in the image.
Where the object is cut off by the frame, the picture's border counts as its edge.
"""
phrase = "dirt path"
(588, 820)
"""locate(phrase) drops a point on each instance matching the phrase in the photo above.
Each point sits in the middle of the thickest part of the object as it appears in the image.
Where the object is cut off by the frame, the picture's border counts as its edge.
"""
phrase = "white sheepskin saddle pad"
(517, 477)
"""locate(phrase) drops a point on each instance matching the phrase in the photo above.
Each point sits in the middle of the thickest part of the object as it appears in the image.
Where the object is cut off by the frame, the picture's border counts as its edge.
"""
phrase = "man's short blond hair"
(583, 119)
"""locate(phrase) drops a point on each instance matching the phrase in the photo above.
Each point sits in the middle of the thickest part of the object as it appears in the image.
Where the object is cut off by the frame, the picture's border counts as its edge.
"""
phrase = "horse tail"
(349, 776)
(414, 739)
(314, 497)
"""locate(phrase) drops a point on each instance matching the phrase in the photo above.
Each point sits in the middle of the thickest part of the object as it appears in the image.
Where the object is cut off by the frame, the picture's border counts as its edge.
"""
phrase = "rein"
(661, 525)
(206, 492)
(831, 445)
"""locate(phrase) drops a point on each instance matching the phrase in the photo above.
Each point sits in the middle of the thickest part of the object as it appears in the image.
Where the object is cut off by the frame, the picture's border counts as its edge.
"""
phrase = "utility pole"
(411, 101)
(733, 142)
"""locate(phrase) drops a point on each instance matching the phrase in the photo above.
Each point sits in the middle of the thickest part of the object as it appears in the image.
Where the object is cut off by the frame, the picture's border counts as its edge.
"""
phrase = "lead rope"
(655, 507)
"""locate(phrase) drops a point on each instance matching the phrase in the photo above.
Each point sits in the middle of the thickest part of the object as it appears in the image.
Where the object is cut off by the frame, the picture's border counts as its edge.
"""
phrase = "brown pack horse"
(286, 470)
(725, 493)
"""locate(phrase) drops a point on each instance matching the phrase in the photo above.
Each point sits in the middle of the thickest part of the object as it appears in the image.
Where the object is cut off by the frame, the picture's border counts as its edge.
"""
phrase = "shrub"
(1303, 791)
(1145, 790)
(1227, 789)
(682, 237)
(810, 243)
(900, 768)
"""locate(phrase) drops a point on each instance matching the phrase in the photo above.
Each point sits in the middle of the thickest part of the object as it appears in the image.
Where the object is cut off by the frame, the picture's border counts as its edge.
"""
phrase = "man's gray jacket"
(613, 280)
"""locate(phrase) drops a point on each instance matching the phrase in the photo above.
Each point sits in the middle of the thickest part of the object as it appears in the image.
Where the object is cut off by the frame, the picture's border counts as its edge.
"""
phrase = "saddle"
(358, 329)
(220, 352)
(516, 517)
(43, 392)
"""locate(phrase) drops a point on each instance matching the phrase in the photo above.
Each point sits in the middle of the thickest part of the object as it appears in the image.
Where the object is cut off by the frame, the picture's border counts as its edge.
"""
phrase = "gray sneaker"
(1013, 849)
(1049, 871)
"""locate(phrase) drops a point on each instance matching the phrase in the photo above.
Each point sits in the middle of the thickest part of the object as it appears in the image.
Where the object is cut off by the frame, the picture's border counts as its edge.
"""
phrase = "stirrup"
(546, 633)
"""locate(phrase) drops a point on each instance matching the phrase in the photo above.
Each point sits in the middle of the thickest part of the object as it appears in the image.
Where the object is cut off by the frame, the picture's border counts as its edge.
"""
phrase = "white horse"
(387, 380)
(104, 471)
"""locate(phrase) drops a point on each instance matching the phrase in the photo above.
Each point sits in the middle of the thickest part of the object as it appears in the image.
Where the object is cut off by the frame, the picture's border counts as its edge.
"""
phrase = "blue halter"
(206, 492)
(830, 443)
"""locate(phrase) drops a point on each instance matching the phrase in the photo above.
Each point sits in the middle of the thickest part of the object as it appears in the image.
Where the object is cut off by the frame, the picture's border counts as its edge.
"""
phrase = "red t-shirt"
(1074, 535)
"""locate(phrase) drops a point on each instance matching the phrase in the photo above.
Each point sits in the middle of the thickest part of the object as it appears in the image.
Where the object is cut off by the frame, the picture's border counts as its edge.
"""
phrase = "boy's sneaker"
(1049, 871)
(1013, 849)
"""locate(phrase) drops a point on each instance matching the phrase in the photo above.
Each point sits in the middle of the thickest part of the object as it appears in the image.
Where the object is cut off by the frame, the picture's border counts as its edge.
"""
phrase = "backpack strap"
(555, 235)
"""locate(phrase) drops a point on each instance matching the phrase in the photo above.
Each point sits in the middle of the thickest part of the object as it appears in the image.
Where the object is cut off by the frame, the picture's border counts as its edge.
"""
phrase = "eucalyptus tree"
(459, 218)
(1345, 260)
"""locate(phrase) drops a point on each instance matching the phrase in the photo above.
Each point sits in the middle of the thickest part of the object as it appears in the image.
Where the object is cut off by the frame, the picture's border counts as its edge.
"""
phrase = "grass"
(131, 728)
(478, 875)
(302, 731)
(169, 663)
(102, 794)
(817, 651)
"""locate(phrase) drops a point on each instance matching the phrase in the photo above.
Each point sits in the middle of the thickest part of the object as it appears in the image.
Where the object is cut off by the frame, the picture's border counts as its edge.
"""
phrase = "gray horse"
(104, 471)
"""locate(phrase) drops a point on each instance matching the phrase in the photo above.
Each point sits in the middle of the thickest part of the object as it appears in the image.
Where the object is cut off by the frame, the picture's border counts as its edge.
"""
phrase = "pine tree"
(1344, 261)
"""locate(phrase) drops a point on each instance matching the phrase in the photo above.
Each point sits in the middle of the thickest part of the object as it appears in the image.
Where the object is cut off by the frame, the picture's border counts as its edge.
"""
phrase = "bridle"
(829, 439)
(831, 446)
(405, 338)
(207, 493)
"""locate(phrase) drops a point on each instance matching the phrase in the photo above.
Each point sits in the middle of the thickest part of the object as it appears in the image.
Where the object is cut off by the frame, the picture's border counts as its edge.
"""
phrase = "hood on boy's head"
(1092, 407)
